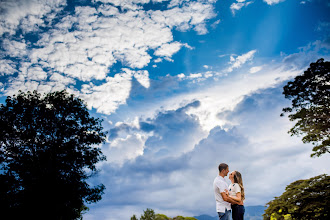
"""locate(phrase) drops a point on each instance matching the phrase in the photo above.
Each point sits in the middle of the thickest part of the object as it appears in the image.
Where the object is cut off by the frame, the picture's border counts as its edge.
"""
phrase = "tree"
(302, 200)
(148, 214)
(47, 152)
(184, 218)
(134, 217)
(161, 217)
(310, 94)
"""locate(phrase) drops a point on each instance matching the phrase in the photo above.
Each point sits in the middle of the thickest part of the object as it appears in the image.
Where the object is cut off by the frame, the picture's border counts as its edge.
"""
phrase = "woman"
(236, 192)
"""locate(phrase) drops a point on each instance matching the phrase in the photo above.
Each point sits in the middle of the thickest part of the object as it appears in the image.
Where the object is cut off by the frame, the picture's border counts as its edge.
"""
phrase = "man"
(223, 202)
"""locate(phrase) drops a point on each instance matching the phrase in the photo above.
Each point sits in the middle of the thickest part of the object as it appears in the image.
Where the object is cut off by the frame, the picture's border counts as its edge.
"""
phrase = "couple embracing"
(229, 199)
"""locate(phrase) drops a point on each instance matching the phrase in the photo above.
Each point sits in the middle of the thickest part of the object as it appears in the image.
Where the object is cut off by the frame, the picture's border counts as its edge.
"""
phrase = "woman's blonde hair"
(238, 179)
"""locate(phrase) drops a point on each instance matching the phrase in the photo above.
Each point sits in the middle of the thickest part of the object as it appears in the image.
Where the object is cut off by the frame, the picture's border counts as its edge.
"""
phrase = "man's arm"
(226, 198)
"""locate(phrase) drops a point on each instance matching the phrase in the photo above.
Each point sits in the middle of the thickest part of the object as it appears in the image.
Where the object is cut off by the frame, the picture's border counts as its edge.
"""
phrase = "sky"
(182, 86)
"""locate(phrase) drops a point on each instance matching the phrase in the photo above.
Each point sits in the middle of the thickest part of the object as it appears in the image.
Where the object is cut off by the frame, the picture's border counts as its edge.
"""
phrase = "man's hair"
(222, 166)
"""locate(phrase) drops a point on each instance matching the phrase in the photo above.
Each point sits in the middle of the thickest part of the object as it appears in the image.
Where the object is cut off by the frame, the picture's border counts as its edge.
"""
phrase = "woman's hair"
(238, 179)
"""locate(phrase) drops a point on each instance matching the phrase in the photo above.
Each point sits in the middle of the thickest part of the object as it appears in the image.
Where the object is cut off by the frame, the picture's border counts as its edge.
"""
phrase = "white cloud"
(181, 75)
(208, 74)
(167, 50)
(28, 14)
(35, 73)
(255, 69)
(142, 77)
(306, 55)
(222, 95)
(6, 67)
(158, 60)
(240, 60)
(306, 1)
(58, 78)
(15, 48)
(195, 75)
(122, 149)
(227, 93)
(273, 2)
(86, 44)
(237, 6)
(191, 15)
(108, 96)
(215, 24)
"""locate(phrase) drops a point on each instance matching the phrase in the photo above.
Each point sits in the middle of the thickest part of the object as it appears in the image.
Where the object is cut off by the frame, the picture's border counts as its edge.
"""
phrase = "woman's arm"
(237, 198)
(226, 198)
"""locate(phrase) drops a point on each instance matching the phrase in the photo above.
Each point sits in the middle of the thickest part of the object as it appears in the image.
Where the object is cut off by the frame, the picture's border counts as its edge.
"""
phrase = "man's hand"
(226, 198)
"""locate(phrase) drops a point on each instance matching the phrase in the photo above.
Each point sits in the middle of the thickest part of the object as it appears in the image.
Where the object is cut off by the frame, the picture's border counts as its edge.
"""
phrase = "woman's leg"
(240, 212)
(234, 212)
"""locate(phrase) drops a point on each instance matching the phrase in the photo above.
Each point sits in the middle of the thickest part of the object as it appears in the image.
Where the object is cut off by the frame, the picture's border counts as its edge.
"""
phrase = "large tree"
(47, 152)
(310, 95)
(302, 200)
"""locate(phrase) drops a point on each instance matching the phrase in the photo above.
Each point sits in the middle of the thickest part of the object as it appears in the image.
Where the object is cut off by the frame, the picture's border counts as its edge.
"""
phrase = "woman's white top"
(234, 189)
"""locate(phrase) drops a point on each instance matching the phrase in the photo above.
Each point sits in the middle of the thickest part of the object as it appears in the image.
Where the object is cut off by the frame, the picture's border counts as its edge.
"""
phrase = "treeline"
(150, 214)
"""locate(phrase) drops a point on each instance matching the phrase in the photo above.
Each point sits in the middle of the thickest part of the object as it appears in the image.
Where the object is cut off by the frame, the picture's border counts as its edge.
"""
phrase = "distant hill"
(251, 213)
(254, 212)
(206, 217)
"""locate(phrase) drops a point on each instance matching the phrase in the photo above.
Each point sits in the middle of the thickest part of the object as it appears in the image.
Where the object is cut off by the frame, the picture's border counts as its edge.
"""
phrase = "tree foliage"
(149, 214)
(134, 217)
(310, 95)
(47, 152)
(302, 200)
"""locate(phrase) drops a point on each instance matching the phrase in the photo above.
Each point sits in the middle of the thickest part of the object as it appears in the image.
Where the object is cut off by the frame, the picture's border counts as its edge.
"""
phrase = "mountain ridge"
(251, 213)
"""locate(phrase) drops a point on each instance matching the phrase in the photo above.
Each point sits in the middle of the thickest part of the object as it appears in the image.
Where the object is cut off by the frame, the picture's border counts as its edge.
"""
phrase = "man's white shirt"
(219, 186)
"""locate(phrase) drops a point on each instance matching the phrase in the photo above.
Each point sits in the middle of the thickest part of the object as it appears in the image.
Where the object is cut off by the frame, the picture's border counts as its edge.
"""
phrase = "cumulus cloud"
(211, 109)
(264, 152)
(168, 133)
(123, 149)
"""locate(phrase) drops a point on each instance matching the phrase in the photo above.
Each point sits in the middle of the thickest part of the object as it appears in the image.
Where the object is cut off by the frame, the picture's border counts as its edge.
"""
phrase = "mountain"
(254, 212)
(206, 217)
(251, 213)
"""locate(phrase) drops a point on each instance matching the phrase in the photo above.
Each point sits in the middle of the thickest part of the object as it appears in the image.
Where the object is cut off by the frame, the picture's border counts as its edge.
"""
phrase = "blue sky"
(181, 85)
